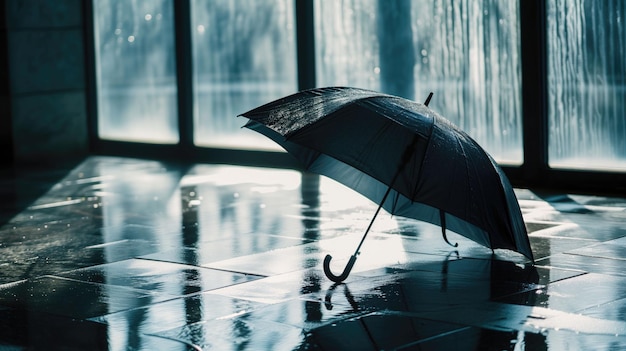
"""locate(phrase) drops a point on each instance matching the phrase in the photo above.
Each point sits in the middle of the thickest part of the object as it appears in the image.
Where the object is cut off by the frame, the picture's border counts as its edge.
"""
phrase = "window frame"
(534, 172)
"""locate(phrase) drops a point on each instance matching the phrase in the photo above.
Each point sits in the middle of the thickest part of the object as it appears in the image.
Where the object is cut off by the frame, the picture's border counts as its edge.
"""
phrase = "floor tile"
(377, 331)
(238, 334)
(612, 249)
(487, 339)
(546, 246)
(549, 275)
(305, 314)
(46, 248)
(279, 288)
(159, 277)
(426, 291)
(52, 295)
(205, 253)
(510, 317)
(473, 338)
(377, 251)
(585, 263)
(35, 330)
(175, 313)
(145, 342)
(613, 310)
(574, 294)
(38, 330)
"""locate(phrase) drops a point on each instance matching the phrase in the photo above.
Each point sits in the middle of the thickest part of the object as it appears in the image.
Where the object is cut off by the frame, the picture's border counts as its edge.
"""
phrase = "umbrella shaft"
(358, 248)
(408, 152)
(406, 156)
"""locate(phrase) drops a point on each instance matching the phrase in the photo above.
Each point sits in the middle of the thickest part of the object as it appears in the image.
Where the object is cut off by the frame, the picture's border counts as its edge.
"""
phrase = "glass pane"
(244, 55)
(136, 70)
(587, 84)
(466, 52)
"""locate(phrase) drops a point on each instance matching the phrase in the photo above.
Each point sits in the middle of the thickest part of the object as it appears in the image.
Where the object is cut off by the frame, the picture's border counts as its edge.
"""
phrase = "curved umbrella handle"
(346, 271)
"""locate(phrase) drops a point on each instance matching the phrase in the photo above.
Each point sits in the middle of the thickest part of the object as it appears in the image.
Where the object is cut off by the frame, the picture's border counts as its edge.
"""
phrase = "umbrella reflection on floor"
(442, 286)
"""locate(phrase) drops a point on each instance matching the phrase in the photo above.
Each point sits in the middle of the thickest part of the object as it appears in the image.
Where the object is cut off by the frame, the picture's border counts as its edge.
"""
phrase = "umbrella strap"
(442, 217)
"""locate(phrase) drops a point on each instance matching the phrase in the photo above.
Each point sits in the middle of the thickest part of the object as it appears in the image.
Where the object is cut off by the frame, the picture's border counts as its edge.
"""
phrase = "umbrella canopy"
(401, 154)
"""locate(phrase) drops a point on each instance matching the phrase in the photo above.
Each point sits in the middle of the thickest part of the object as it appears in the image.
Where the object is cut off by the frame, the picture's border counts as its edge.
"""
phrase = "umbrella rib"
(428, 145)
(469, 183)
(406, 156)
(442, 214)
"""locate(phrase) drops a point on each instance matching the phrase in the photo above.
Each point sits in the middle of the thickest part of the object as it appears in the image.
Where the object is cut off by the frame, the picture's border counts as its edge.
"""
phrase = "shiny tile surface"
(154, 276)
(74, 299)
(129, 254)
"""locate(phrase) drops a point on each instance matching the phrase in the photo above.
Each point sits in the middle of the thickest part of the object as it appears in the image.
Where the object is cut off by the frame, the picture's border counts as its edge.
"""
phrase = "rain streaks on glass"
(136, 70)
(244, 55)
(466, 52)
(587, 84)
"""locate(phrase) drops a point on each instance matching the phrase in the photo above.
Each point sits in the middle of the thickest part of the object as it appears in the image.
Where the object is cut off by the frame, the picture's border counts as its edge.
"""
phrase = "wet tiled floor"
(127, 254)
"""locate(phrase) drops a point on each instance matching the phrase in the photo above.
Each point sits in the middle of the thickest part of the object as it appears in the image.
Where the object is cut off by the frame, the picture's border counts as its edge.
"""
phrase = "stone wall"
(43, 90)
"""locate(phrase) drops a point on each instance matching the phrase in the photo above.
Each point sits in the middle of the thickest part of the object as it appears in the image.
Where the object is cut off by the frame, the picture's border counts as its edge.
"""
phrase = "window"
(396, 47)
(587, 84)
(136, 70)
(244, 55)
(539, 84)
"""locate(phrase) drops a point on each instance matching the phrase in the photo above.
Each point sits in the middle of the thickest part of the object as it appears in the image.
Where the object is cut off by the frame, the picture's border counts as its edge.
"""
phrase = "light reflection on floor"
(126, 254)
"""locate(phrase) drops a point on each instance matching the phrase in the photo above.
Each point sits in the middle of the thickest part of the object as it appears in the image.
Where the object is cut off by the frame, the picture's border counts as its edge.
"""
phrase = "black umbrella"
(400, 154)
